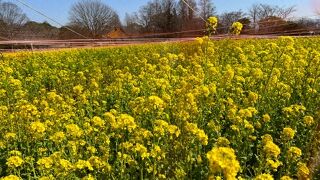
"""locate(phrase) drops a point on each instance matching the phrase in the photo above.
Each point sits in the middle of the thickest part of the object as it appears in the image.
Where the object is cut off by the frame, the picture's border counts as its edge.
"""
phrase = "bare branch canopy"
(94, 17)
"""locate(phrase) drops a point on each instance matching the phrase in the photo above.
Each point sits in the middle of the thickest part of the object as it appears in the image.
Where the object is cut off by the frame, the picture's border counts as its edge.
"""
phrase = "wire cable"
(42, 14)
(193, 10)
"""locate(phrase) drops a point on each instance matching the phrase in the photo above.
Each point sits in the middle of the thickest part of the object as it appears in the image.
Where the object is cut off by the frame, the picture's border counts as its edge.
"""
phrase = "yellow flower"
(294, 153)
(236, 28)
(271, 149)
(37, 127)
(15, 153)
(50, 177)
(111, 119)
(288, 133)
(199, 133)
(213, 22)
(157, 153)
(2, 145)
(45, 163)
(252, 138)
(264, 177)
(156, 102)
(66, 165)
(42, 150)
(11, 177)
(229, 74)
(174, 130)
(222, 142)
(81, 164)
(274, 164)
(74, 130)
(78, 89)
(10, 135)
(266, 118)
(253, 97)
(266, 138)
(235, 128)
(99, 164)
(285, 178)
(14, 161)
(89, 177)
(308, 120)
(142, 150)
(248, 126)
(92, 149)
(126, 121)
(223, 160)
(97, 121)
(303, 171)
(199, 40)
(58, 137)
(180, 173)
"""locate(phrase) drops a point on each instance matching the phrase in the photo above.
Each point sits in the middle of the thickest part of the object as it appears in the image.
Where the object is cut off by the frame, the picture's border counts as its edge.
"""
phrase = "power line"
(225, 27)
(193, 10)
(42, 14)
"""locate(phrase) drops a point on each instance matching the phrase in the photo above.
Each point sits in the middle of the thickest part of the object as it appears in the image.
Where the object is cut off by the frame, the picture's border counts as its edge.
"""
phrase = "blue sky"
(58, 9)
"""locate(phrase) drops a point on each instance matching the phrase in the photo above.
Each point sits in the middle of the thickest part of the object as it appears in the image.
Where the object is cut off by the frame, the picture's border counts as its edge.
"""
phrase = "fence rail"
(73, 43)
(16, 45)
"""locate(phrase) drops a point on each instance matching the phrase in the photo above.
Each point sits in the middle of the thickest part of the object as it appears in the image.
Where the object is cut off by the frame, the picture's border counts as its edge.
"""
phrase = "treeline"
(14, 24)
(157, 18)
(165, 16)
(162, 16)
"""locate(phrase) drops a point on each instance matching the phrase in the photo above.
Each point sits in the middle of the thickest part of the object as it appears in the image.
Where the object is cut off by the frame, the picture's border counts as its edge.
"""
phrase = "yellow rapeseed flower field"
(228, 109)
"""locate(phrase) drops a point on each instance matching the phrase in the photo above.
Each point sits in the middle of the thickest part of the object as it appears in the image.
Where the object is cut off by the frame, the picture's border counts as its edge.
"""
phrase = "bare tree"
(150, 15)
(131, 23)
(228, 18)
(12, 19)
(262, 11)
(158, 16)
(187, 13)
(170, 15)
(254, 13)
(93, 16)
(285, 13)
(206, 8)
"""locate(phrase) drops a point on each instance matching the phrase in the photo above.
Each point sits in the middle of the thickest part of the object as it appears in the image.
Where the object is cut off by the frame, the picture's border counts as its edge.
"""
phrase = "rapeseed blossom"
(11, 177)
(266, 118)
(264, 177)
(212, 22)
(303, 171)
(37, 127)
(236, 28)
(273, 164)
(14, 161)
(294, 153)
(74, 130)
(288, 133)
(308, 120)
(58, 137)
(271, 149)
(45, 162)
(285, 178)
(223, 160)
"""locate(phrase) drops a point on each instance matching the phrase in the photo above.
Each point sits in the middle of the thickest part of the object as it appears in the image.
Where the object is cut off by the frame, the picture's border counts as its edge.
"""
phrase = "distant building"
(117, 32)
